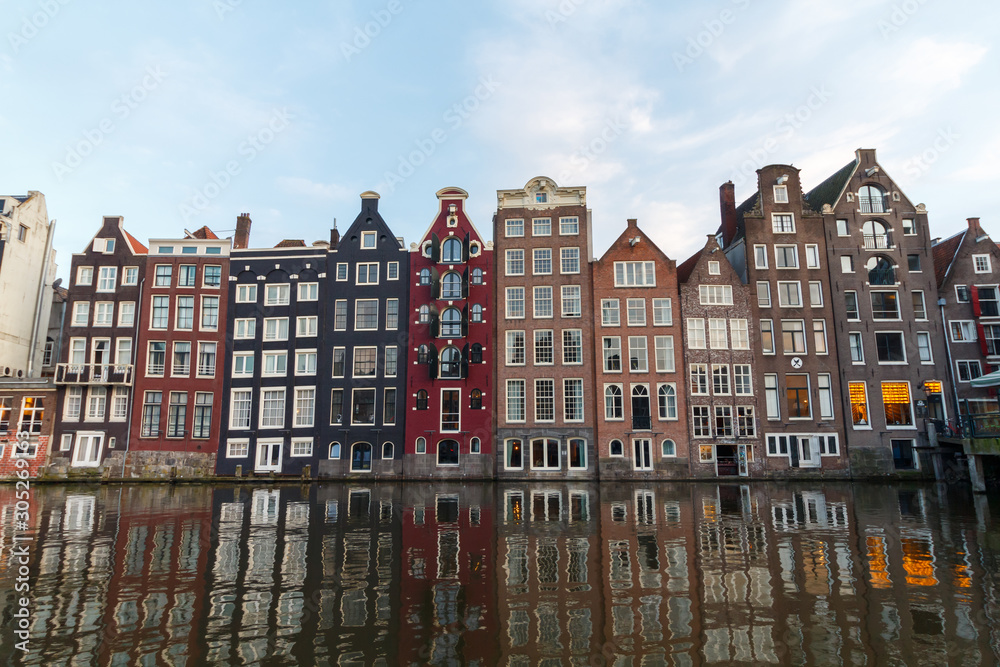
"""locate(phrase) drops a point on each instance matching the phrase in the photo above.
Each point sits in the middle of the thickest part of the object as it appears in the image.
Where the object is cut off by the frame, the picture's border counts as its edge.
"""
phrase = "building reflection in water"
(530, 574)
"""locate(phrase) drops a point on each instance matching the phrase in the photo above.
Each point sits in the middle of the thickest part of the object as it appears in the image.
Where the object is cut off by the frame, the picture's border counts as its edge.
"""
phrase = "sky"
(184, 114)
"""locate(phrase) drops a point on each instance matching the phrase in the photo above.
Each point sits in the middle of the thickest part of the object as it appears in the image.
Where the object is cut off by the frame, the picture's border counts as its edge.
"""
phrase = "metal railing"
(877, 241)
(882, 277)
(121, 374)
(874, 204)
(642, 423)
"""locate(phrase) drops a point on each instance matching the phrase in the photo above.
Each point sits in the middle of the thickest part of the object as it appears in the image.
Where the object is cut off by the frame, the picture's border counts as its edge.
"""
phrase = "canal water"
(489, 574)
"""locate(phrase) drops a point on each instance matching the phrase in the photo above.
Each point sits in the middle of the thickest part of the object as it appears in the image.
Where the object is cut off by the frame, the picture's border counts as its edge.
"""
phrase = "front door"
(742, 456)
(268, 456)
(809, 456)
(726, 464)
(641, 419)
(642, 453)
(88, 450)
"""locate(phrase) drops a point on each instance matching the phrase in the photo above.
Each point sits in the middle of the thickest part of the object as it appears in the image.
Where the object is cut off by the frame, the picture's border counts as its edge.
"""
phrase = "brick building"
(777, 245)
(719, 359)
(96, 370)
(544, 315)
(179, 352)
(449, 389)
(641, 423)
(888, 333)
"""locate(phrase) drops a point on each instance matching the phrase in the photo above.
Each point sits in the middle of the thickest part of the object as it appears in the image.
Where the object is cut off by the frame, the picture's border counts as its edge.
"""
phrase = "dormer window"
(451, 251)
(368, 240)
(541, 198)
(780, 194)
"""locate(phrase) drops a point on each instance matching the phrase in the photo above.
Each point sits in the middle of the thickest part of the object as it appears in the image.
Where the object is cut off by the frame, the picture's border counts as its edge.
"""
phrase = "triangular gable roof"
(137, 248)
(687, 266)
(629, 230)
(944, 256)
(369, 210)
(832, 189)
(205, 234)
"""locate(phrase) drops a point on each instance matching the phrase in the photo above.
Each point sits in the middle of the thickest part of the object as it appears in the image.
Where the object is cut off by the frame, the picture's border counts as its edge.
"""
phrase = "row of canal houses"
(806, 337)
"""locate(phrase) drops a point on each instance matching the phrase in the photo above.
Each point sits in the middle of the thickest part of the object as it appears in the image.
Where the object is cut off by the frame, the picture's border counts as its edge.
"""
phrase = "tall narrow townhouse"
(967, 268)
(181, 342)
(276, 301)
(777, 244)
(362, 352)
(719, 359)
(641, 427)
(544, 332)
(449, 429)
(96, 372)
(889, 334)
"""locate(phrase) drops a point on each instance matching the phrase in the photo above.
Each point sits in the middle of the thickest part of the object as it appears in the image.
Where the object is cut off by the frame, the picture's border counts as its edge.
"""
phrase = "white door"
(642, 453)
(809, 452)
(741, 456)
(268, 456)
(87, 453)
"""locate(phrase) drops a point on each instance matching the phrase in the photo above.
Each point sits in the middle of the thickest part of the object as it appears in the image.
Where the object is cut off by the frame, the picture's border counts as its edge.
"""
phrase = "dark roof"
(291, 243)
(944, 255)
(828, 191)
(687, 266)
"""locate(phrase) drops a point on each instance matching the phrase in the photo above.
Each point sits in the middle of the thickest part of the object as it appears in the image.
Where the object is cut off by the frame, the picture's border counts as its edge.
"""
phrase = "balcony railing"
(642, 423)
(874, 204)
(120, 374)
(878, 241)
(882, 277)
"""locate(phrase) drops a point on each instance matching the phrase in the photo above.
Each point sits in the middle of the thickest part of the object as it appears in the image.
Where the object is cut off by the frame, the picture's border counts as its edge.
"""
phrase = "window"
(365, 314)
(797, 396)
(515, 303)
(162, 275)
(720, 379)
(613, 402)
(989, 304)
(305, 362)
(904, 456)
(187, 276)
(717, 336)
(699, 379)
(151, 414)
(962, 293)
(885, 306)
(363, 406)
(477, 313)
(276, 295)
(476, 399)
(824, 390)
(890, 348)
(515, 401)
(246, 294)
(637, 354)
(701, 421)
(302, 447)
(577, 453)
(763, 294)
(130, 276)
(851, 305)
(909, 229)
(812, 256)
(615, 448)
(451, 412)
(545, 454)
(306, 327)
(85, 275)
(424, 314)
(793, 336)
(368, 240)
(714, 269)
(760, 256)
(310, 291)
(771, 395)
(819, 337)
(612, 348)
(782, 223)
(275, 364)
(514, 227)
(81, 313)
(243, 363)
(767, 336)
(742, 383)
(786, 257)
(573, 400)
(919, 306)
(364, 361)
(367, 273)
(337, 406)
(715, 295)
(815, 293)
(542, 306)
(846, 264)
(745, 423)
(896, 403)
(95, 405)
(723, 421)
(572, 349)
(789, 294)
(361, 457)
(541, 227)
(696, 333)
(636, 311)
(545, 400)
(980, 263)
(569, 260)
(391, 360)
(107, 279)
(610, 313)
(71, 408)
(421, 445)
(245, 328)
(857, 347)
(569, 226)
(104, 316)
(276, 328)
(913, 263)
(477, 276)
(991, 334)
(541, 261)
(182, 360)
(239, 413)
(635, 274)
(451, 363)
(740, 334)
(206, 359)
(450, 323)
(871, 199)
(157, 358)
(515, 348)
(305, 407)
(780, 194)
(177, 414)
(210, 313)
(666, 401)
(662, 312)
(213, 276)
(543, 347)
(571, 306)
(664, 346)
(515, 262)
(968, 370)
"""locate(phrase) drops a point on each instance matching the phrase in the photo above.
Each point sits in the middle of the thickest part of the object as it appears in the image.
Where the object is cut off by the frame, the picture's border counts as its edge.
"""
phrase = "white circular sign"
(796, 362)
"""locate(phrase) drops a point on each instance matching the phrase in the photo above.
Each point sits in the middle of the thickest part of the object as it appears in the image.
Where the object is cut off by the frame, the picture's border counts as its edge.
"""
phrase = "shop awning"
(988, 380)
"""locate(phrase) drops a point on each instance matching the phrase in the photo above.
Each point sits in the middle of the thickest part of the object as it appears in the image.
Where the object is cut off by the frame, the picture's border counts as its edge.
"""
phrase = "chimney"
(633, 223)
(242, 239)
(334, 236)
(727, 207)
(973, 223)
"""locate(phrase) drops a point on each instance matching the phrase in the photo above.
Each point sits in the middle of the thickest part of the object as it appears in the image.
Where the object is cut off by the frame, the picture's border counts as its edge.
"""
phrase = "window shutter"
(974, 295)
(432, 363)
(435, 249)
(435, 284)
(465, 249)
(435, 324)
(465, 284)
(465, 361)
(982, 334)
(465, 321)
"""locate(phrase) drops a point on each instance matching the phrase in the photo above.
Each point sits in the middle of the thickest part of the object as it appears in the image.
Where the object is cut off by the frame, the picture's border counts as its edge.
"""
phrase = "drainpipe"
(951, 365)
(36, 325)
(131, 390)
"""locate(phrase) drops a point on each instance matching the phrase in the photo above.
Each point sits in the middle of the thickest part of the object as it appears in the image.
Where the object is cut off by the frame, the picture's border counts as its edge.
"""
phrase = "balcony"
(878, 204)
(115, 374)
(878, 241)
(642, 423)
(882, 277)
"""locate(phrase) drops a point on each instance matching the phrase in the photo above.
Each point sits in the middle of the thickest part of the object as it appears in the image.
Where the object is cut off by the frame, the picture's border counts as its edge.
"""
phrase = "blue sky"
(183, 114)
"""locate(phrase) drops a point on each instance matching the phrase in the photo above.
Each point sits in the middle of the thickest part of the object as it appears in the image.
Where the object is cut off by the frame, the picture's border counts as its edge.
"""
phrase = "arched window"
(451, 286)
(477, 313)
(475, 446)
(613, 406)
(871, 199)
(876, 235)
(422, 399)
(387, 450)
(476, 354)
(881, 270)
(667, 401)
(451, 251)
(422, 352)
(421, 445)
(451, 323)
(361, 457)
(475, 400)
(334, 450)
(640, 408)
(448, 453)
(514, 452)
(451, 363)
(477, 276)
(616, 448)
(425, 314)
(545, 454)
(668, 448)
(425, 276)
